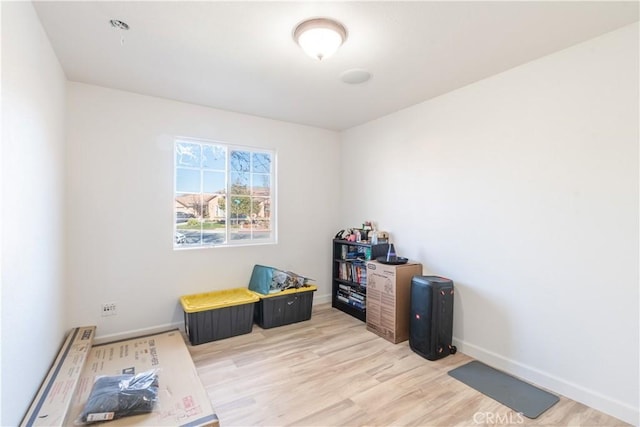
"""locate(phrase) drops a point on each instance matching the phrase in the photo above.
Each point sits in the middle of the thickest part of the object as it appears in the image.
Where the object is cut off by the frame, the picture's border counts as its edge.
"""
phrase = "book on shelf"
(355, 252)
(359, 272)
(357, 296)
(343, 271)
(344, 287)
(359, 304)
(353, 271)
(352, 256)
(351, 297)
(342, 298)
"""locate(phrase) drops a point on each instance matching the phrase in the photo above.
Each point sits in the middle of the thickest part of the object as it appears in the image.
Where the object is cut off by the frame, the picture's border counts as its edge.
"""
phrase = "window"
(223, 195)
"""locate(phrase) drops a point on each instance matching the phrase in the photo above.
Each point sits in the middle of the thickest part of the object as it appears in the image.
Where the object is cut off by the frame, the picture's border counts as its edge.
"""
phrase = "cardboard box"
(182, 400)
(51, 404)
(389, 298)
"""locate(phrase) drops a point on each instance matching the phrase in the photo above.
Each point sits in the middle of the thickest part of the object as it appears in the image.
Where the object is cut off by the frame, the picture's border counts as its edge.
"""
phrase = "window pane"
(239, 234)
(261, 163)
(194, 237)
(188, 154)
(180, 205)
(214, 157)
(240, 161)
(239, 209)
(208, 206)
(188, 237)
(215, 207)
(213, 233)
(239, 183)
(239, 218)
(260, 208)
(261, 229)
(187, 180)
(261, 184)
(188, 204)
(187, 214)
(213, 219)
(213, 182)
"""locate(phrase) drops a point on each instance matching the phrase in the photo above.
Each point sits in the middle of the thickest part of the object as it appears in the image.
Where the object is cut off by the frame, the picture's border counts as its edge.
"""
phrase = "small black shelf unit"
(349, 277)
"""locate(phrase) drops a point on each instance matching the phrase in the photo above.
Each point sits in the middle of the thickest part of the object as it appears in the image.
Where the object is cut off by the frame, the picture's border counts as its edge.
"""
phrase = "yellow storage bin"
(217, 299)
(220, 314)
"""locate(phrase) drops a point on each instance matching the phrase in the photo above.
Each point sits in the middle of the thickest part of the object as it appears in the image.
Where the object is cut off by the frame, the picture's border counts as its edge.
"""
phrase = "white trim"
(321, 299)
(102, 339)
(138, 332)
(591, 398)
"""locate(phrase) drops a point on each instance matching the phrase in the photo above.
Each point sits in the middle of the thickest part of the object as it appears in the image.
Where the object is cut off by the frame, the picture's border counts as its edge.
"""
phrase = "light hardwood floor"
(330, 371)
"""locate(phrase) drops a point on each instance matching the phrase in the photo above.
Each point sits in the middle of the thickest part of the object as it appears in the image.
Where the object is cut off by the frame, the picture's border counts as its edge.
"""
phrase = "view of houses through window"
(223, 195)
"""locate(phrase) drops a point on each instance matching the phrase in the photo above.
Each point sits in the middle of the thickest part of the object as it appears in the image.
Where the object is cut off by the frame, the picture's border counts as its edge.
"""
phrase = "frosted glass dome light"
(320, 37)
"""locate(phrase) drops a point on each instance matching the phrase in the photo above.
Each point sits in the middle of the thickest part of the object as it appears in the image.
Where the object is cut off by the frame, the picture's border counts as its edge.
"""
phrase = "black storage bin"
(284, 308)
(217, 315)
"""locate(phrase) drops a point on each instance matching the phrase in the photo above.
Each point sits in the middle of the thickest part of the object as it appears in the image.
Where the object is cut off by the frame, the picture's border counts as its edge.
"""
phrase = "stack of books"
(351, 296)
(353, 271)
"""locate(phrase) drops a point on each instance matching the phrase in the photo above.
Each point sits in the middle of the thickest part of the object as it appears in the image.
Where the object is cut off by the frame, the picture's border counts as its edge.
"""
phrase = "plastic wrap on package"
(118, 396)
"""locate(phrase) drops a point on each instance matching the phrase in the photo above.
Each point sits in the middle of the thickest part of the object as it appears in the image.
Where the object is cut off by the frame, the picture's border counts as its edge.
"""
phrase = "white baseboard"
(137, 333)
(317, 299)
(591, 398)
(321, 299)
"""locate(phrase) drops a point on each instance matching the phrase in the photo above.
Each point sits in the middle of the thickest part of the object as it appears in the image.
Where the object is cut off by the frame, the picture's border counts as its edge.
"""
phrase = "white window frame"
(228, 241)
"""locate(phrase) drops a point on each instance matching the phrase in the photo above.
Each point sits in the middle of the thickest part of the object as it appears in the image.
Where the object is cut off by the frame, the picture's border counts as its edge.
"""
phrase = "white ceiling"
(240, 56)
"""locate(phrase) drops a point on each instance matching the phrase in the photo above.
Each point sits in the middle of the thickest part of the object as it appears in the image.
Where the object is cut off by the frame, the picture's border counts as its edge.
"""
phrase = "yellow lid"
(306, 288)
(217, 299)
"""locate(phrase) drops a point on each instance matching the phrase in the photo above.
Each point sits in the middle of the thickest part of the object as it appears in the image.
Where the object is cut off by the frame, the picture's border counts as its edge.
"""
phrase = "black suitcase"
(431, 326)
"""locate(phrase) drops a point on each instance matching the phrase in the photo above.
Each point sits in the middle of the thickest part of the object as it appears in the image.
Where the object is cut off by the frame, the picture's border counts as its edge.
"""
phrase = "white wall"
(33, 287)
(120, 201)
(523, 188)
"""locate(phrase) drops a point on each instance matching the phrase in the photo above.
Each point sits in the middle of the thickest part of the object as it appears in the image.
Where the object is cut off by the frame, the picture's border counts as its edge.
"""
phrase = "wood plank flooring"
(330, 371)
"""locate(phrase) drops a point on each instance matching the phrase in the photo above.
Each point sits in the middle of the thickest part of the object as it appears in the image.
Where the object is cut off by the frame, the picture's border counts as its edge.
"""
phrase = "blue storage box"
(269, 280)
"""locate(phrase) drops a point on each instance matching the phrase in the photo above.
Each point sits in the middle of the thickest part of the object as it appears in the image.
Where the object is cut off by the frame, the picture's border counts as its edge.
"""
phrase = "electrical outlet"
(109, 309)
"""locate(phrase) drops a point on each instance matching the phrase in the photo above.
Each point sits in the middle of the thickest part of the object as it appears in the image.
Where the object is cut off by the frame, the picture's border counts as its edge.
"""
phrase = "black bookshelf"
(348, 279)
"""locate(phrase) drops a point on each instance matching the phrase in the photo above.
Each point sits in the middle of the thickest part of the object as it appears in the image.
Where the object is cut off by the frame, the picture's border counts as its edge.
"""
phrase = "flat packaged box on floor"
(388, 299)
(286, 307)
(182, 400)
(51, 404)
(216, 315)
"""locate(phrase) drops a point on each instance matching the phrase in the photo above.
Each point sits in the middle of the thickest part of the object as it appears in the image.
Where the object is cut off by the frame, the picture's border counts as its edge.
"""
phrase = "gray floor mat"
(510, 391)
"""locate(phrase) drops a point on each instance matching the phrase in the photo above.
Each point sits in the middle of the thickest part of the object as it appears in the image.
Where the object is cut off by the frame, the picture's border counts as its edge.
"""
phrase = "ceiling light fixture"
(320, 37)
